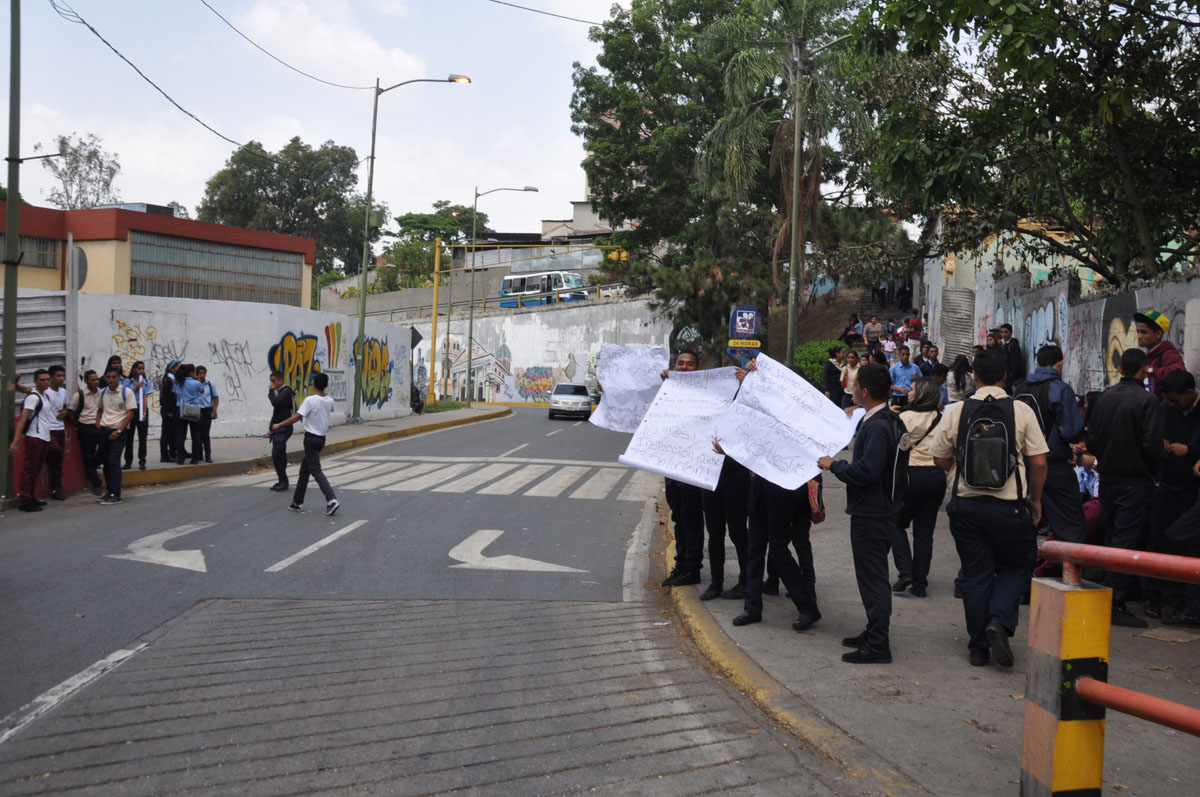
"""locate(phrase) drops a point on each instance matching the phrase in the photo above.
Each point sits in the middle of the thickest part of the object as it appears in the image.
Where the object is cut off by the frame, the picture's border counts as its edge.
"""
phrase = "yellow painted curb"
(141, 478)
(854, 758)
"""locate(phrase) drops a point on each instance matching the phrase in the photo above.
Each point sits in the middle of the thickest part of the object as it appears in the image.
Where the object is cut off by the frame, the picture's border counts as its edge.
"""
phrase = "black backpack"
(895, 472)
(986, 453)
(1037, 396)
(32, 415)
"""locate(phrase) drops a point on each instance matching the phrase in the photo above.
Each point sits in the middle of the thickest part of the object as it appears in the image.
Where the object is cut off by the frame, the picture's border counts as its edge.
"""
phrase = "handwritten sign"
(780, 425)
(675, 437)
(630, 377)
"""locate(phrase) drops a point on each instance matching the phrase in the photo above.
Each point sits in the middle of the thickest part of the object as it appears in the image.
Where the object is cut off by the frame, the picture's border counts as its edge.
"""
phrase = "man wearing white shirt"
(315, 411)
(84, 407)
(33, 433)
(56, 397)
(117, 408)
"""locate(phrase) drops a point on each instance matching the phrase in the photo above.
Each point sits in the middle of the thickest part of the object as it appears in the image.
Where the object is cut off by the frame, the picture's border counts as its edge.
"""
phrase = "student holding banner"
(687, 512)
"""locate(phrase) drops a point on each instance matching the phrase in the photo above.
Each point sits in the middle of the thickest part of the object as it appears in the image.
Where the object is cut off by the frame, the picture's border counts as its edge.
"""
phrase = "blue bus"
(546, 287)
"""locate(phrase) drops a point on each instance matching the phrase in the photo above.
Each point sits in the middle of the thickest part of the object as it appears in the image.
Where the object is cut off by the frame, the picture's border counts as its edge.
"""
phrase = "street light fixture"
(361, 339)
(471, 310)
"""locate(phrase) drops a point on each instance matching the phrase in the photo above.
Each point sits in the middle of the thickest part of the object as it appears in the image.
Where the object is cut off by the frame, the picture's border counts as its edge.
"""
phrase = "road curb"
(142, 478)
(824, 737)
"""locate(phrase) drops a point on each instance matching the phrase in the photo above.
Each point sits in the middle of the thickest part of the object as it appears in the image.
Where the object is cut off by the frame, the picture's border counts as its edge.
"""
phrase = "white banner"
(629, 378)
(675, 437)
(780, 425)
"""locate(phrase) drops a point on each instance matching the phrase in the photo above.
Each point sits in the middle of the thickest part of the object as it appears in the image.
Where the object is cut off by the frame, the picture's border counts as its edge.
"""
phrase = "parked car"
(573, 400)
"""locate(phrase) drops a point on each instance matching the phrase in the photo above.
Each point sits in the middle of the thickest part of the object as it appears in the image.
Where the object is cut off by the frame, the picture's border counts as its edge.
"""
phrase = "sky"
(509, 128)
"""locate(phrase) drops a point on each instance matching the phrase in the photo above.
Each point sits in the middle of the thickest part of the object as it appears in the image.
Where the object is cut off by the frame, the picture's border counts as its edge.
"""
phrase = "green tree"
(85, 172)
(1077, 117)
(451, 223)
(297, 191)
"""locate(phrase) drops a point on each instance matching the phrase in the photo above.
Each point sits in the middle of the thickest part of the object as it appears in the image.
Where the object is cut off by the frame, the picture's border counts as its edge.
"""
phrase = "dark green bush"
(811, 357)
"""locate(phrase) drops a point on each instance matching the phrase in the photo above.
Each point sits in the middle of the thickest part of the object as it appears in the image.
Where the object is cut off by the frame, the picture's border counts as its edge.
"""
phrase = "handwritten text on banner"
(630, 377)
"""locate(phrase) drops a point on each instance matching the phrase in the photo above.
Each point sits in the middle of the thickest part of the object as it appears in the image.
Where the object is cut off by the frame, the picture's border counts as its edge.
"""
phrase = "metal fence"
(163, 265)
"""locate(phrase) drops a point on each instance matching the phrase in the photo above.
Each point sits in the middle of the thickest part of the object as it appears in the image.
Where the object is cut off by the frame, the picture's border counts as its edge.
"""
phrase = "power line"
(273, 57)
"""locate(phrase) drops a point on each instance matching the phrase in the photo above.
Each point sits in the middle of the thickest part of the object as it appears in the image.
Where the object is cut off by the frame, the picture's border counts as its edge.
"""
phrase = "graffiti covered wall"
(519, 356)
(241, 344)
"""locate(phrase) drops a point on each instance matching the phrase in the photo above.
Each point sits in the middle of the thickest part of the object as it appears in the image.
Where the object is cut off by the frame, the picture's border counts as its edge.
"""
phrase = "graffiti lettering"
(374, 371)
(296, 357)
(237, 361)
(535, 384)
(333, 343)
(131, 339)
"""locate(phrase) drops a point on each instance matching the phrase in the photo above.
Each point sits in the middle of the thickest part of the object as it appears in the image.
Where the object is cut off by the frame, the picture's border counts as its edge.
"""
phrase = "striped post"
(1063, 746)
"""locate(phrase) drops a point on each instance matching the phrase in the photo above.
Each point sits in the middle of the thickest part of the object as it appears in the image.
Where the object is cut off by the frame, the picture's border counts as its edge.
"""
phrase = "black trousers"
(202, 440)
(89, 445)
(166, 437)
(779, 518)
(687, 513)
(922, 500)
(870, 541)
(182, 430)
(995, 542)
(311, 466)
(1062, 503)
(110, 454)
(139, 430)
(1126, 508)
(279, 441)
(725, 510)
(1171, 503)
(1182, 537)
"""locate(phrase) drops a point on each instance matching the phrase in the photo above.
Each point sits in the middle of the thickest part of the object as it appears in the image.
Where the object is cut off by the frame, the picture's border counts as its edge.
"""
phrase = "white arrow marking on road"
(470, 553)
(150, 549)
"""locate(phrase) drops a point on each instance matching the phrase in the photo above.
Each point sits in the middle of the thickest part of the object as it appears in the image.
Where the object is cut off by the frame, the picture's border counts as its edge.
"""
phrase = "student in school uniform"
(56, 397)
(83, 409)
(315, 411)
(117, 410)
(32, 434)
(187, 393)
(139, 428)
(283, 405)
(209, 401)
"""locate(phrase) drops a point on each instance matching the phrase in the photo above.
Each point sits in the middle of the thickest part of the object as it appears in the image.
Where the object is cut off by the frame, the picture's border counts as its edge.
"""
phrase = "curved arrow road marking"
(150, 549)
(470, 553)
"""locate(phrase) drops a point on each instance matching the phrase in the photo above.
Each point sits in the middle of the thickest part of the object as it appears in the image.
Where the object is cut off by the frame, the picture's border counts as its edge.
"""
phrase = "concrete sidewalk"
(929, 722)
(239, 454)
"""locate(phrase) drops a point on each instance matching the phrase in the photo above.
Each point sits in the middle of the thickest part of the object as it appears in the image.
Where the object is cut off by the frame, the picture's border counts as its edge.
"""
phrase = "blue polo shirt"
(208, 392)
(903, 376)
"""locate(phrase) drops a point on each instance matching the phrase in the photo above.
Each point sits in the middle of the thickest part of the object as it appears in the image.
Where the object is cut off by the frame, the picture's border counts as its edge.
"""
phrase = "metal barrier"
(1067, 692)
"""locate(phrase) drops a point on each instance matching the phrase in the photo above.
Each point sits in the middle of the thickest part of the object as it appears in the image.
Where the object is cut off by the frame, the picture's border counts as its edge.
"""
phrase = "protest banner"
(629, 377)
(779, 425)
(675, 437)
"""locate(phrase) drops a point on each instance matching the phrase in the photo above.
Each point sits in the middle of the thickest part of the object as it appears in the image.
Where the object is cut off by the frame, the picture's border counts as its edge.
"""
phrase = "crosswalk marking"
(399, 472)
(510, 484)
(598, 486)
(561, 480)
(641, 485)
(428, 480)
(473, 480)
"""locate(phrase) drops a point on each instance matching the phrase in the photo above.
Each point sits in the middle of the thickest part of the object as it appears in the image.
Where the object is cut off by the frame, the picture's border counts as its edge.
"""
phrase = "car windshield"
(573, 280)
(570, 390)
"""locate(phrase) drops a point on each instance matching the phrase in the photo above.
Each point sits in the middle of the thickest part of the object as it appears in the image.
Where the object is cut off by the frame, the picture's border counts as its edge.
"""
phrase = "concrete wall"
(520, 355)
(240, 344)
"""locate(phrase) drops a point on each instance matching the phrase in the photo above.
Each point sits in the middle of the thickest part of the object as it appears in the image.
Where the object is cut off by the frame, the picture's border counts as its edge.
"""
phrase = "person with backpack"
(1057, 410)
(117, 410)
(923, 497)
(210, 400)
(874, 479)
(33, 435)
(999, 455)
(187, 395)
(1124, 435)
(84, 409)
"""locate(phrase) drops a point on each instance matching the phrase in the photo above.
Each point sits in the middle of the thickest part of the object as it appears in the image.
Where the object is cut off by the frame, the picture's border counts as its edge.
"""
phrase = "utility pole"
(12, 257)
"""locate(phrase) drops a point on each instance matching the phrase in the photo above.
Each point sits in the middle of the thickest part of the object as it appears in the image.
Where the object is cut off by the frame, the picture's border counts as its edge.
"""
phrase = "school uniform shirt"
(315, 410)
(57, 399)
(863, 474)
(1030, 443)
(208, 392)
(39, 425)
(189, 391)
(903, 376)
(85, 405)
(918, 425)
(113, 406)
(140, 395)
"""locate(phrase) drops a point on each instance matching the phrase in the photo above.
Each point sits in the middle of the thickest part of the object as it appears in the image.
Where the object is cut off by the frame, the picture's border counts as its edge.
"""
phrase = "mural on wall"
(295, 356)
(374, 366)
(497, 380)
(236, 359)
(333, 343)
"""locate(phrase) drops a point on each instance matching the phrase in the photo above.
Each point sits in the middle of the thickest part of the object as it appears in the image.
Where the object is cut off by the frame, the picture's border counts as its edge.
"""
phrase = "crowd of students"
(1012, 455)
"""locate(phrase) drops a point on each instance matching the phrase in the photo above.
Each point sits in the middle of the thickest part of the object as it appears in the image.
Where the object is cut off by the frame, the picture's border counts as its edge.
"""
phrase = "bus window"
(558, 281)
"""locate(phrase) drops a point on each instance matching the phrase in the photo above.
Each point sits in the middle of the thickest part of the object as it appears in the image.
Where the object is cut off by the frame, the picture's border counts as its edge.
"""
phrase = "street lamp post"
(471, 309)
(361, 338)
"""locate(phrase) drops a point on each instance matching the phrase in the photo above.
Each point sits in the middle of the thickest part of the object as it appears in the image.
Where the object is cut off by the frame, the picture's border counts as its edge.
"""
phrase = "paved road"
(472, 618)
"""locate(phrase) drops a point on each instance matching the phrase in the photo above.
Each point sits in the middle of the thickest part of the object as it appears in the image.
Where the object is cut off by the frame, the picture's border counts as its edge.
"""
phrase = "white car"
(567, 399)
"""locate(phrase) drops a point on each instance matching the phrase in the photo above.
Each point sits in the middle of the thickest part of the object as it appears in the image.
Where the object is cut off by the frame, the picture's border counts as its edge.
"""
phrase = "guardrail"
(614, 290)
(1067, 692)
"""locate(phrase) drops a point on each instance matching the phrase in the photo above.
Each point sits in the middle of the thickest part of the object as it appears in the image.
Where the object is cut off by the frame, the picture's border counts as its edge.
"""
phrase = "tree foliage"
(1073, 126)
(297, 191)
(451, 223)
(85, 172)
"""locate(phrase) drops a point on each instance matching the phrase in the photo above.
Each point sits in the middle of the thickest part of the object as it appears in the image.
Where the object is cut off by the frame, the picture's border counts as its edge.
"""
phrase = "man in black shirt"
(283, 405)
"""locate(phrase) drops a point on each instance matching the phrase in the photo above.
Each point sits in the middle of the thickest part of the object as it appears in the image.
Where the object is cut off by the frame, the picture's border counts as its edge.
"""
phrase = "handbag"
(189, 412)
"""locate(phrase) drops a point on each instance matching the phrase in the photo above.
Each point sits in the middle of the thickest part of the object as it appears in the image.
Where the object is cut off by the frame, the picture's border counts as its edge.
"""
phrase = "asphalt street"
(476, 589)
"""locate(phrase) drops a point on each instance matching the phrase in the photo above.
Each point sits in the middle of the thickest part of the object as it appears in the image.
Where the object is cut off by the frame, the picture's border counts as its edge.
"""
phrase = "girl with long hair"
(926, 489)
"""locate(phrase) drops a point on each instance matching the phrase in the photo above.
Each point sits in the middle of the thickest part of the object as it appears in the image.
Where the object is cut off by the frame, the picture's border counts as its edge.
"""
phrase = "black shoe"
(29, 508)
(279, 487)
(958, 591)
(997, 638)
(1122, 617)
(855, 641)
(713, 591)
(979, 658)
(97, 491)
(1180, 618)
(687, 578)
(180, 462)
(165, 459)
(869, 654)
(806, 620)
(111, 500)
(142, 466)
(746, 619)
(127, 466)
(918, 592)
(1153, 608)
(208, 459)
(296, 507)
(58, 496)
(902, 583)
(770, 587)
(735, 593)
(672, 578)
(104, 497)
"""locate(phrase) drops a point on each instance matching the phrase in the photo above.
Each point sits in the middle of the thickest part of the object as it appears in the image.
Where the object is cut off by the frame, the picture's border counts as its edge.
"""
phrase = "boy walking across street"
(117, 409)
(315, 411)
(868, 477)
(283, 405)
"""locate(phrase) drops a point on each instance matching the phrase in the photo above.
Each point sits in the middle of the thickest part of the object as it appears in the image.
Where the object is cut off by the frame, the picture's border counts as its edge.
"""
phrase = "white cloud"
(393, 8)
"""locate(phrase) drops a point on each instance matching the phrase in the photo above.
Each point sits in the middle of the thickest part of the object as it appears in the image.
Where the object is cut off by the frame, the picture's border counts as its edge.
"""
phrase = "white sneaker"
(332, 507)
